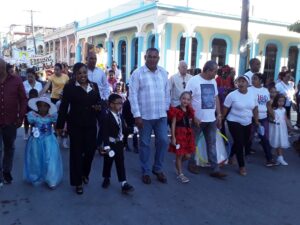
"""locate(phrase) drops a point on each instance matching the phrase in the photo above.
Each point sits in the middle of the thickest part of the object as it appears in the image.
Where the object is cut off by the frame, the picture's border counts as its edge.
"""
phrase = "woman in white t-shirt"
(264, 106)
(243, 106)
(30, 84)
(286, 88)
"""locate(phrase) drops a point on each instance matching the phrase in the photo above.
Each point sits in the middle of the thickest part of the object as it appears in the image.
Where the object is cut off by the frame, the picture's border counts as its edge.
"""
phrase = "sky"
(55, 13)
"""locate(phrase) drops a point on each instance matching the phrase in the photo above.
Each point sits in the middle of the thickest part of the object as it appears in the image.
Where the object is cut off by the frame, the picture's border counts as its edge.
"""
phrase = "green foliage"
(295, 27)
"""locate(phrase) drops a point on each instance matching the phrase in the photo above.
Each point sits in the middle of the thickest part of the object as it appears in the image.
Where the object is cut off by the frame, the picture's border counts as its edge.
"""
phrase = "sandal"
(243, 171)
(183, 178)
(79, 190)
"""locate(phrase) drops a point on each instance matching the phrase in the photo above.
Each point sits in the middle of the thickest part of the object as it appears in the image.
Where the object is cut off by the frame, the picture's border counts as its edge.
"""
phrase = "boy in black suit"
(113, 128)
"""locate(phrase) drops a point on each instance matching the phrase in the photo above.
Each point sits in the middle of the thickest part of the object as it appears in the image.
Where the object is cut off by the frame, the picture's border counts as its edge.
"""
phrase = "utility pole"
(244, 44)
(32, 28)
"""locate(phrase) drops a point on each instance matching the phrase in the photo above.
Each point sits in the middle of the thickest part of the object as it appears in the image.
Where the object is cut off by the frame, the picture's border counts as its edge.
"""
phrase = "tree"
(295, 27)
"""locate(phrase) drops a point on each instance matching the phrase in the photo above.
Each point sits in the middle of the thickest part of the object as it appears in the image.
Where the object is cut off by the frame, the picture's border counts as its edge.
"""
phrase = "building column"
(157, 43)
(108, 43)
(140, 36)
(188, 48)
(158, 34)
(188, 35)
(297, 72)
(68, 50)
(78, 52)
(254, 45)
(168, 38)
(60, 51)
(54, 52)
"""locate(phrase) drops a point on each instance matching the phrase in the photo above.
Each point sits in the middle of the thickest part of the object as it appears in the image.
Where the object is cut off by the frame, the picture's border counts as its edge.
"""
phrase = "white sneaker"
(281, 161)
(1, 184)
(65, 143)
(183, 178)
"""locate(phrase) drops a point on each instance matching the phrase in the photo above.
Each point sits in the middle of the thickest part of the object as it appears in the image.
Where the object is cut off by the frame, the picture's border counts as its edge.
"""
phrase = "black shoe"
(218, 175)
(105, 183)
(7, 178)
(160, 176)
(85, 180)
(136, 150)
(79, 190)
(126, 188)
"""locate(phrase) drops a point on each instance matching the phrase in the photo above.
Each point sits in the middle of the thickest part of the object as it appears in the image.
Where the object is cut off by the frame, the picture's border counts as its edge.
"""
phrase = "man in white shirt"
(98, 76)
(118, 73)
(178, 82)
(149, 97)
(254, 68)
(206, 104)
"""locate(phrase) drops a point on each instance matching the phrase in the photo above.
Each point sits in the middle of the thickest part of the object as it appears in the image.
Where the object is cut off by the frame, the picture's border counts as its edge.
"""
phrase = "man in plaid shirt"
(149, 97)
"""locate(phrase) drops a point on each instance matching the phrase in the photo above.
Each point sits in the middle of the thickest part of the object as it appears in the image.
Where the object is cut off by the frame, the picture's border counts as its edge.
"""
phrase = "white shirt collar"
(116, 116)
(88, 89)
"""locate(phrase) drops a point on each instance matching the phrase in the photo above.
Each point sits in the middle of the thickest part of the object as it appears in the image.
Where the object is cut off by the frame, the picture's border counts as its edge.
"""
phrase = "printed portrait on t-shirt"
(207, 96)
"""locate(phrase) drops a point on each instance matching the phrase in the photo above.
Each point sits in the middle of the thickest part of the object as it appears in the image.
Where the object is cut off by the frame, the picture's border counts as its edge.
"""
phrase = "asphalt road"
(266, 196)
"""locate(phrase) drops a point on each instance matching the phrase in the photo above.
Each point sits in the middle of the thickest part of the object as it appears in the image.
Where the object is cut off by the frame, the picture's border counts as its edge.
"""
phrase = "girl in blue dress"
(43, 161)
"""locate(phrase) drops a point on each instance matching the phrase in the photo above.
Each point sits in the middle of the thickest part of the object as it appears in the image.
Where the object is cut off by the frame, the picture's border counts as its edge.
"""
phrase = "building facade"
(185, 32)
(62, 43)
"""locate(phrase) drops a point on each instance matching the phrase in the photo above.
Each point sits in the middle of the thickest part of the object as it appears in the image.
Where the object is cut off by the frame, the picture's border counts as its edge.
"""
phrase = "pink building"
(62, 42)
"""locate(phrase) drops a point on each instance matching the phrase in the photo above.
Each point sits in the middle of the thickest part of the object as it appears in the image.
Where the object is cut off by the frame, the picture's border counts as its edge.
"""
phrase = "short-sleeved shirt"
(58, 84)
(38, 86)
(263, 97)
(204, 94)
(241, 106)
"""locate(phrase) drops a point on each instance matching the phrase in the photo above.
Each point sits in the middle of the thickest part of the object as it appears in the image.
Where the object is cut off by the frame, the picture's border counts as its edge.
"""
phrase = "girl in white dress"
(278, 134)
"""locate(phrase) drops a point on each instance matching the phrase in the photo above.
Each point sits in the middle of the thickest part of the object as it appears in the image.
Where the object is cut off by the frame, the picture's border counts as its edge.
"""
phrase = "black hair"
(253, 60)
(152, 50)
(58, 65)
(33, 93)
(197, 71)
(77, 67)
(261, 77)
(186, 93)
(111, 71)
(113, 97)
(271, 85)
(209, 66)
(8, 67)
(276, 99)
(30, 70)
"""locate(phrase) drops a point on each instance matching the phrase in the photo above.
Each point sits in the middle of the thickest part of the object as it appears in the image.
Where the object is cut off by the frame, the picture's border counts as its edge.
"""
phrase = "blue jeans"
(7, 143)
(209, 130)
(159, 126)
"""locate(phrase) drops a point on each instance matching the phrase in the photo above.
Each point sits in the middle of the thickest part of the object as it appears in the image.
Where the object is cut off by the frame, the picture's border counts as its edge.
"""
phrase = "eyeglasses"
(183, 84)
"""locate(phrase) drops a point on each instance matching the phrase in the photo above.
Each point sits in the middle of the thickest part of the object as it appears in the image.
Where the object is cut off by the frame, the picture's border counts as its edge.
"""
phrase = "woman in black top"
(80, 103)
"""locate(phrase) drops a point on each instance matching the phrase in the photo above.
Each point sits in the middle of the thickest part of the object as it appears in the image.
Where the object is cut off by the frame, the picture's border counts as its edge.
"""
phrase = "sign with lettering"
(40, 60)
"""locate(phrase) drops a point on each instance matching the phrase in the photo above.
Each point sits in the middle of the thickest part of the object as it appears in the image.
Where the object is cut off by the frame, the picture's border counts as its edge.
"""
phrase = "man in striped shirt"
(149, 97)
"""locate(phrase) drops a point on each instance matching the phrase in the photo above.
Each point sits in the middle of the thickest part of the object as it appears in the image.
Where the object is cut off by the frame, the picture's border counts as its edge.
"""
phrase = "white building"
(186, 30)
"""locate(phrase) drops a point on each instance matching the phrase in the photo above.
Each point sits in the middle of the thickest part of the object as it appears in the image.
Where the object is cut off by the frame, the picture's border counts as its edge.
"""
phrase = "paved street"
(267, 196)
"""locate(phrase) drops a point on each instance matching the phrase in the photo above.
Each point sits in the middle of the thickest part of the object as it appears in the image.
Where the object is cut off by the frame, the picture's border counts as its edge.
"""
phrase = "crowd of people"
(95, 110)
